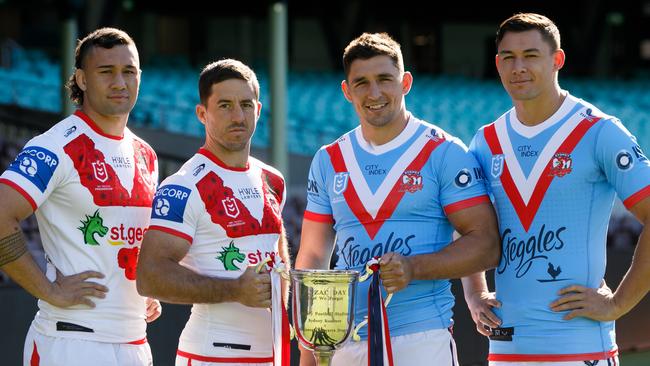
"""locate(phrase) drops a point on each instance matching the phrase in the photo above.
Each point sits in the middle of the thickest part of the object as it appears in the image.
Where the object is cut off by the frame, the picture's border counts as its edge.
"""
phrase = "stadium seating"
(317, 111)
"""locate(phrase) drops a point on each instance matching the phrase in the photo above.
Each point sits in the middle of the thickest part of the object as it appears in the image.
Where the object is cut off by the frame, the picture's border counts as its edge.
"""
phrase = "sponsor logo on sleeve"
(169, 203)
(37, 164)
(624, 160)
(463, 178)
(639, 153)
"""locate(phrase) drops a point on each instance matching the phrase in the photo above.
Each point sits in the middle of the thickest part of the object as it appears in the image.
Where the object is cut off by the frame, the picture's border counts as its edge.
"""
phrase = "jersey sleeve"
(318, 201)
(623, 162)
(36, 171)
(461, 179)
(174, 209)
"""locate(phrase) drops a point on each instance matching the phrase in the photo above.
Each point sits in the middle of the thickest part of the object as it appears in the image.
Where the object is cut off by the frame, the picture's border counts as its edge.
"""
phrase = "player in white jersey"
(214, 224)
(554, 163)
(90, 181)
(396, 188)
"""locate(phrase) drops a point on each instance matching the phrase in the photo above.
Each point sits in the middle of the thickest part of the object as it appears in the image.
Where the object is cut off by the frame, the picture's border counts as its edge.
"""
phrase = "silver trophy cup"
(323, 310)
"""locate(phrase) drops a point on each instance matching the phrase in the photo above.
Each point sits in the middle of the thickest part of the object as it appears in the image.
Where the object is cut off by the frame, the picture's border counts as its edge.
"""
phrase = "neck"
(110, 125)
(535, 111)
(232, 159)
(379, 135)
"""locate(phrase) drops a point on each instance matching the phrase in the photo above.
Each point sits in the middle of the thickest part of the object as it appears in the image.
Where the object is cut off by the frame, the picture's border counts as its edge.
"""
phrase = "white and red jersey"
(92, 196)
(231, 217)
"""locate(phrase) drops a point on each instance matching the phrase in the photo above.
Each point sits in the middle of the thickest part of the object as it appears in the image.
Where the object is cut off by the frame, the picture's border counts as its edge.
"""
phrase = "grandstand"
(458, 99)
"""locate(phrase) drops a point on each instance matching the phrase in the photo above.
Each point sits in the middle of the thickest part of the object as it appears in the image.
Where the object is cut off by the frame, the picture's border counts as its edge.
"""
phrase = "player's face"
(110, 79)
(231, 114)
(527, 65)
(376, 89)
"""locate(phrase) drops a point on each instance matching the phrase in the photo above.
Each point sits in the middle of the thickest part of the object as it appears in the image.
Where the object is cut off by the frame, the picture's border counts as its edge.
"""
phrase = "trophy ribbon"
(380, 352)
(279, 318)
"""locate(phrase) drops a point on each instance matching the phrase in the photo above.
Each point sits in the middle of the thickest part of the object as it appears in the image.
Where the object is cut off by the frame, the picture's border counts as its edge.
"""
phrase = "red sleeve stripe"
(318, 217)
(461, 205)
(551, 357)
(637, 197)
(172, 232)
(229, 360)
(21, 191)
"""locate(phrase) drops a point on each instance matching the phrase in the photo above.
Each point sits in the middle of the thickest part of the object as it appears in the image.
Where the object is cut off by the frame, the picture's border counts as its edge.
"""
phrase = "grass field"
(635, 358)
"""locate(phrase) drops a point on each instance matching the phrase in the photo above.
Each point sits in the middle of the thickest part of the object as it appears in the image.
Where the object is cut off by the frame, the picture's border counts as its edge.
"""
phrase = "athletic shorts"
(432, 347)
(42, 350)
(207, 361)
(608, 362)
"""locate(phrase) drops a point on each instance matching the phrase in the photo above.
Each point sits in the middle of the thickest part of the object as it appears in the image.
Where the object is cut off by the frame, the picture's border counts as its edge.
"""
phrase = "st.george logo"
(497, 166)
(230, 205)
(99, 169)
(340, 182)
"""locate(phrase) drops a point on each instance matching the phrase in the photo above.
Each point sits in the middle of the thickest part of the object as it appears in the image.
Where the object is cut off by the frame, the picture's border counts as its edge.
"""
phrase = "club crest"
(561, 165)
(411, 181)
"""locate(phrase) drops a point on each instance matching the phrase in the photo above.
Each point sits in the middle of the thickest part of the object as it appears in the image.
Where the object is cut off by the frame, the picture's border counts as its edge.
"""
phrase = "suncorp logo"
(37, 164)
(28, 166)
(169, 202)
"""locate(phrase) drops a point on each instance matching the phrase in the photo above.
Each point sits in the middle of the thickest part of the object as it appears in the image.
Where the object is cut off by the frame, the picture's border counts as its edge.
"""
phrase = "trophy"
(323, 310)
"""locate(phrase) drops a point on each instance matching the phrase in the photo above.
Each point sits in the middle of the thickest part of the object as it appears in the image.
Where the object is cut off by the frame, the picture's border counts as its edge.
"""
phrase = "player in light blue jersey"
(396, 188)
(553, 166)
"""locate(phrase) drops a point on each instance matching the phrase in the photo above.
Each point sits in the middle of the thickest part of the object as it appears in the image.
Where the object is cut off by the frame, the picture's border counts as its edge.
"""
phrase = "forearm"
(635, 284)
(25, 272)
(171, 282)
(473, 252)
(474, 283)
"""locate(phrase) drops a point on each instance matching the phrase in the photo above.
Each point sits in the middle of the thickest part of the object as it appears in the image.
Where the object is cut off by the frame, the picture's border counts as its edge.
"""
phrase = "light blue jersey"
(553, 186)
(395, 198)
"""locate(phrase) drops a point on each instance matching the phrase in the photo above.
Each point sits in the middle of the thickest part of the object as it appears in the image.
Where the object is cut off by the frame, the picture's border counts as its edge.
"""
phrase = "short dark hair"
(104, 38)
(369, 45)
(522, 22)
(223, 70)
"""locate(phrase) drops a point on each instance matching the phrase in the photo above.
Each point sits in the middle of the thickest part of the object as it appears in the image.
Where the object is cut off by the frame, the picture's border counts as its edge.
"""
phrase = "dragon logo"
(229, 255)
(93, 225)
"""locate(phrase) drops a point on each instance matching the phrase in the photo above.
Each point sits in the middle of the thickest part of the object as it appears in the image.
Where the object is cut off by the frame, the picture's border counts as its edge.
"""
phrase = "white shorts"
(42, 350)
(608, 362)
(432, 347)
(184, 361)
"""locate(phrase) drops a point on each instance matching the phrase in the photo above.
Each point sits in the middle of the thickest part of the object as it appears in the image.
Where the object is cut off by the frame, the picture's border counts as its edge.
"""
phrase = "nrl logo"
(230, 205)
(229, 255)
(497, 166)
(99, 169)
(340, 182)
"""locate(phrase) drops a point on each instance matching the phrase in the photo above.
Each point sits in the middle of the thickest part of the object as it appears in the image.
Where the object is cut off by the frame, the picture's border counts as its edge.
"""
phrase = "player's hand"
(73, 290)
(396, 272)
(480, 306)
(254, 289)
(307, 357)
(154, 309)
(593, 303)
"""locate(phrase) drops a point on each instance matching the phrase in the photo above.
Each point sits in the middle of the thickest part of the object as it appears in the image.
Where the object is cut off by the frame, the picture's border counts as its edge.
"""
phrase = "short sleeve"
(174, 209)
(461, 179)
(36, 171)
(318, 202)
(623, 162)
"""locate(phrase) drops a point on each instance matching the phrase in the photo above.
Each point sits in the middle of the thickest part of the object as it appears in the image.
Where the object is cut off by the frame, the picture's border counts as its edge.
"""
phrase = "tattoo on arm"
(12, 247)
